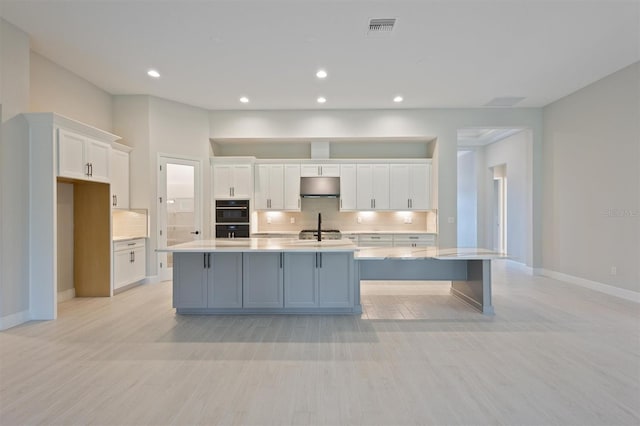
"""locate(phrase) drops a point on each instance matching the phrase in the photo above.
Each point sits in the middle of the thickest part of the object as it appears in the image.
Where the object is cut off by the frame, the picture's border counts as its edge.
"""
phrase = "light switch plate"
(292, 220)
(451, 219)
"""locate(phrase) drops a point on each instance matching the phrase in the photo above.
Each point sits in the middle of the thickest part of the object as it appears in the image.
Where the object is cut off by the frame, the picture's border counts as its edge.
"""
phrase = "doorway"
(179, 206)
(499, 208)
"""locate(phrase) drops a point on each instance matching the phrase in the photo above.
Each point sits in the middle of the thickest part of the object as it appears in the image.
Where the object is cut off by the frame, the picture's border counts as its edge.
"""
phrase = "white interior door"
(179, 206)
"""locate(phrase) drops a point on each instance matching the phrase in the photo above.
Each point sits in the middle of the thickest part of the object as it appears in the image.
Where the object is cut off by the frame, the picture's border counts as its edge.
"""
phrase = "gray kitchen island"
(291, 276)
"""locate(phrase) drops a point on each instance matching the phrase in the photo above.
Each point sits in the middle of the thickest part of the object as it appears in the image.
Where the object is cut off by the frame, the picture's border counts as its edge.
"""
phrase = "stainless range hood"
(316, 187)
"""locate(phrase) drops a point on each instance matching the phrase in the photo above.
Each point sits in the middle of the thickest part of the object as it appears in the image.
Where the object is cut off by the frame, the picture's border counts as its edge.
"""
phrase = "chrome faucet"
(319, 226)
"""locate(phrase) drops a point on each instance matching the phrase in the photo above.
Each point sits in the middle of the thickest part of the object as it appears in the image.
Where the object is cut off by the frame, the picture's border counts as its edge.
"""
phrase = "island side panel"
(476, 288)
(412, 269)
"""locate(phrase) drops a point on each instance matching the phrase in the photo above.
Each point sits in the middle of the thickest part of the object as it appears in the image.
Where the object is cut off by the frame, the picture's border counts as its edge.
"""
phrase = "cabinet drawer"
(128, 245)
(365, 240)
(414, 240)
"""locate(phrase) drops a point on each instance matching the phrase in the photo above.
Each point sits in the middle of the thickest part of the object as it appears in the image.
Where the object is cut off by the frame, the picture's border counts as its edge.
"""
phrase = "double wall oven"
(232, 218)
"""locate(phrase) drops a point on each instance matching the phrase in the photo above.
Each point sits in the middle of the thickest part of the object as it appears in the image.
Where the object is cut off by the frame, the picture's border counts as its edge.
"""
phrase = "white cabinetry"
(372, 187)
(414, 240)
(375, 240)
(232, 181)
(119, 176)
(269, 187)
(348, 187)
(80, 157)
(410, 186)
(129, 264)
(318, 280)
(292, 187)
(313, 170)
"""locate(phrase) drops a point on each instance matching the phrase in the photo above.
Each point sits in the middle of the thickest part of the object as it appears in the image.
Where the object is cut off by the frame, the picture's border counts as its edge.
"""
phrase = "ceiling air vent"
(508, 101)
(381, 26)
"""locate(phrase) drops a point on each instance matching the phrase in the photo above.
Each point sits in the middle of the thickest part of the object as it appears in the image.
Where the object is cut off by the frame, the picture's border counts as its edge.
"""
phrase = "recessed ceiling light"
(321, 74)
(398, 99)
(153, 73)
(244, 100)
(322, 100)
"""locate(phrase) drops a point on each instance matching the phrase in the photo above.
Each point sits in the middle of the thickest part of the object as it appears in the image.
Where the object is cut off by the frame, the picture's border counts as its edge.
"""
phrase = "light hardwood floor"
(554, 353)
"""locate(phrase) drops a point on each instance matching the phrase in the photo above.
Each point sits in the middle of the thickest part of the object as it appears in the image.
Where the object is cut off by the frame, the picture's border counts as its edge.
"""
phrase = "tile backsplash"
(332, 218)
(130, 223)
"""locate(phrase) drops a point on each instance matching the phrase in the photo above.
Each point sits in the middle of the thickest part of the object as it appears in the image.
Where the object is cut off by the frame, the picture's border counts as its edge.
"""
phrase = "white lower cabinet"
(323, 280)
(414, 240)
(375, 240)
(262, 283)
(129, 262)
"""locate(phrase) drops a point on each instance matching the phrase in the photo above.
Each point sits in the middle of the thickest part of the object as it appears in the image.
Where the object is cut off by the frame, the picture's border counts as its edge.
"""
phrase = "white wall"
(154, 126)
(592, 182)
(14, 183)
(427, 123)
(467, 199)
(515, 153)
(56, 89)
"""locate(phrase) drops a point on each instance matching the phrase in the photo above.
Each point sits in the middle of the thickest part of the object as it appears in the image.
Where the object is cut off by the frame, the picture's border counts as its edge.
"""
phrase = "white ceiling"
(480, 136)
(441, 53)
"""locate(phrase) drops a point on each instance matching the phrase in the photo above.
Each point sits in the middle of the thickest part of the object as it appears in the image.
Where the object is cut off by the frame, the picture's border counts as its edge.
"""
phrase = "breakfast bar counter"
(286, 275)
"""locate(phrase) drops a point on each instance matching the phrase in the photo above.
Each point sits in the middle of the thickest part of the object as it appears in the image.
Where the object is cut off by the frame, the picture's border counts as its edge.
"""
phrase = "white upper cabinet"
(119, 179)
(410, 186)
(314, 170)
(372, 187)
(348, 187)
(232, 181)
(292, 187)
(80, 157)
(269, 187)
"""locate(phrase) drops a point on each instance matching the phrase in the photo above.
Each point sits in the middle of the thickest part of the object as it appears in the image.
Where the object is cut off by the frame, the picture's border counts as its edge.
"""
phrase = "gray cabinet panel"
(190, 272)
(300, 280)
(262, 280)
(225, 281)
(335, 287)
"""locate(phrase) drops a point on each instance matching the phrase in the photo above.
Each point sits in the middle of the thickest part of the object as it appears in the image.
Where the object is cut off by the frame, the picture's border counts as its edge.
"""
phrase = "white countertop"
(296, 245)
(123, 238)
(292, 233)
(414, 253)
(261, 245)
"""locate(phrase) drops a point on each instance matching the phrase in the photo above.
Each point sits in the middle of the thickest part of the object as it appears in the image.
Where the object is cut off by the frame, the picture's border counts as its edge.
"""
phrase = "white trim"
(14, 319)
(622, 293)
(522, 266)
(66, 294)
(153, 279)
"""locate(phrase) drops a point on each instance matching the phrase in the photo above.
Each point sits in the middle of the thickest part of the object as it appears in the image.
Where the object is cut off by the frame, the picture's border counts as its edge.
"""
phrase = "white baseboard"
(622, 293)
(66, 295)
(14, 319)
(522, 266)
(153, 279)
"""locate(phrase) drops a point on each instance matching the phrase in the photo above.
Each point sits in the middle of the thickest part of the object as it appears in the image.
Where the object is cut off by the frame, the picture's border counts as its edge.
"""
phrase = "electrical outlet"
(408, 220)
(614, 270)
(451, 219)
(268, 219)
(292, 220)
(359, 219)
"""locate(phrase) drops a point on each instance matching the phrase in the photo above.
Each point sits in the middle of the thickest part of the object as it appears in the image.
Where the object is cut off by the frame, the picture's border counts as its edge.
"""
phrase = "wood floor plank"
(554, 353)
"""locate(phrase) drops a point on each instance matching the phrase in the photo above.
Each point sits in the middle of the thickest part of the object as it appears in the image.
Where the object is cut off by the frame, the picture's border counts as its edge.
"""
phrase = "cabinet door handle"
(115, 197)
(134, 256)
(208, 260)
(340, 202)
(204, 259)
(281, 256)
(374, 203)
(320, 260)
(90, 169)
(316, 260)
(298, 202)
(87, 166)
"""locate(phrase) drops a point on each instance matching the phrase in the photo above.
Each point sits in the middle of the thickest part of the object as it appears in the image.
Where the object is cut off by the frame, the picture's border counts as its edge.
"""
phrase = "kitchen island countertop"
(261, 245)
